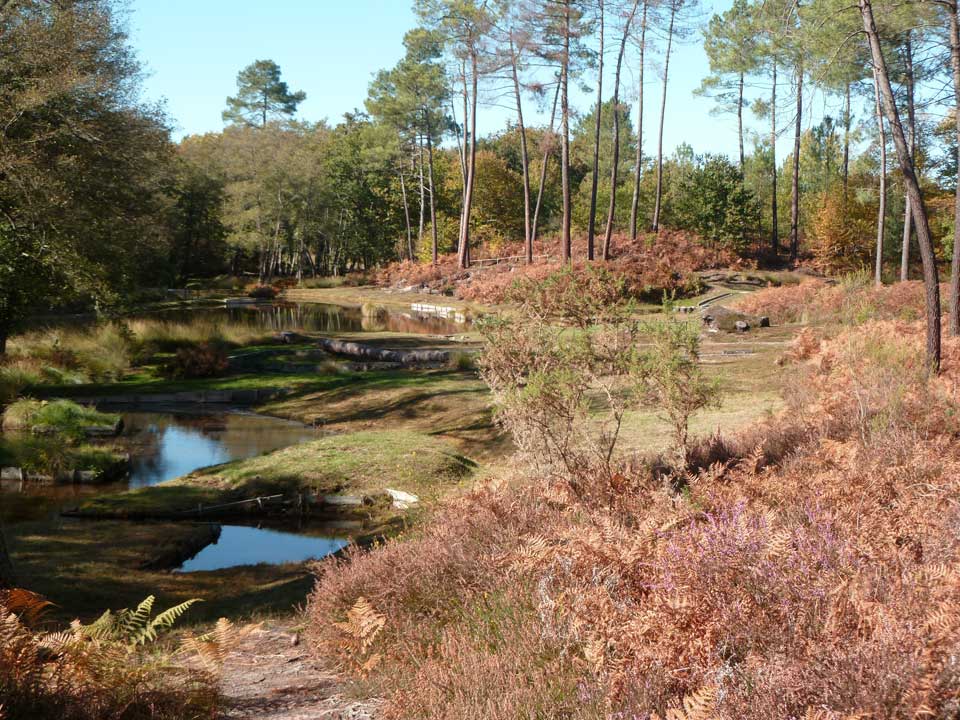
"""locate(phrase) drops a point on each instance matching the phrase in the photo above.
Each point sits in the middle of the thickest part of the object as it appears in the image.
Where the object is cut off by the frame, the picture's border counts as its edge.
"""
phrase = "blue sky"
(193, 49)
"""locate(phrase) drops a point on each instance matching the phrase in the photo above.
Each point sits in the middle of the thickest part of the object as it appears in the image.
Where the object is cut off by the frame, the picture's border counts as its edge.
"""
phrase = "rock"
(719, 318)
(402, 500)
(11, 474)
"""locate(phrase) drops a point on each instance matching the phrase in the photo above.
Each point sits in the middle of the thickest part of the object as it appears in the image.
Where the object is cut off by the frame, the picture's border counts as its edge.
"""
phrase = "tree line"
(95, 198)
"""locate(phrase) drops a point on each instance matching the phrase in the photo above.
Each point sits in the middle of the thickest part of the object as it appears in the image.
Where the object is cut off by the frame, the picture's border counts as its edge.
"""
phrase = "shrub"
(844, 234)
(568, 365)
(263, 292)
(200, 361)
(853, 300)
(665, 263)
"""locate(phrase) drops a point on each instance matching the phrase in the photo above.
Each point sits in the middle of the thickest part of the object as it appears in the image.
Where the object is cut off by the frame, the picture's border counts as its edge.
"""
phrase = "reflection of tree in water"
(250, 435)
(317, 317)
(164, 445)
(313, 317)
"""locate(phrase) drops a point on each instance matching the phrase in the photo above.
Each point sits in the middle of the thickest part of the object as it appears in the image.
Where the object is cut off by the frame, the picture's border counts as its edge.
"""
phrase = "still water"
(315, 317)
(172, 443)
(241, 545)
(167, 445)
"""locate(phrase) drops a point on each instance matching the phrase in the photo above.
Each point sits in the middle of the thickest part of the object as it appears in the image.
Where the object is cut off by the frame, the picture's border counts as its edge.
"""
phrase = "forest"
(388, 416)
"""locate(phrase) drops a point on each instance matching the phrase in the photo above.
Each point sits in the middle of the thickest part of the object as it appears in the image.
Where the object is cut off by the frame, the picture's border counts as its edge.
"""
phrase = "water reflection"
(168, 445)
(316, 317)
(240, 545)
(163, 445)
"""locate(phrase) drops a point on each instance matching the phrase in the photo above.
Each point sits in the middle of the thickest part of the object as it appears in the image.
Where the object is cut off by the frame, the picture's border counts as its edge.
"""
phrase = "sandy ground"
(272, 677)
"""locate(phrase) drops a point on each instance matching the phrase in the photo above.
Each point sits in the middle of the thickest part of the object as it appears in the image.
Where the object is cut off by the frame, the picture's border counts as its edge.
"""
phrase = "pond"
(169, 443)
(314, 317)
(242, 545)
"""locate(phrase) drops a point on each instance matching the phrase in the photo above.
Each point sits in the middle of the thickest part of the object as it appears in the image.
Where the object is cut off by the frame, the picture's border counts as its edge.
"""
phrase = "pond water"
(167, 445)
(173, 442)
(241, 545)
(315, 317)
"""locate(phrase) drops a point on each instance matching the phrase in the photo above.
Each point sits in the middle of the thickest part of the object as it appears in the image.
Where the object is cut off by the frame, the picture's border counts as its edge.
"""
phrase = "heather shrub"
(262, 292)
(200, 361)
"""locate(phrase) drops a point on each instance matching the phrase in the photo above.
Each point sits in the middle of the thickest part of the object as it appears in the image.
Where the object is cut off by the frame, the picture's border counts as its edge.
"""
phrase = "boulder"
(718, 318)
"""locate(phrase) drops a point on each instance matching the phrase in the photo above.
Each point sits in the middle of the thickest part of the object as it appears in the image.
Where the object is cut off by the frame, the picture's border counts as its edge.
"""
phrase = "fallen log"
(368, 352)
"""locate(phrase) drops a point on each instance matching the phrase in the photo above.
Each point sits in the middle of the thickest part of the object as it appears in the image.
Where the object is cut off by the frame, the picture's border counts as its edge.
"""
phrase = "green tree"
(83, 165)
(410, 97)
(261, 96)
(730, 44)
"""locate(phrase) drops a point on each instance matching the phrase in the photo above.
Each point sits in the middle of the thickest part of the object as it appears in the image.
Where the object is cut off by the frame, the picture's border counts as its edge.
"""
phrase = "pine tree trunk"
(924, 238)
(423, 192)
(882, 211)
(638, 169)
(775, 230)
(846, 143)
(433, 205)
(912, 141)
(955, 261)
(663, 113)
(543, 170)
(612, 207)
(740, 124)
(565, 244)
(795, 190)
(595, 175)
(524, 158)
(463, 258)
(406, 213)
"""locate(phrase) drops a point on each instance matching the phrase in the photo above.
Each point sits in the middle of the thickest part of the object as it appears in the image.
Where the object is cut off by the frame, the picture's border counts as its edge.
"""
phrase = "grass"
(58, 417)
(355, 464)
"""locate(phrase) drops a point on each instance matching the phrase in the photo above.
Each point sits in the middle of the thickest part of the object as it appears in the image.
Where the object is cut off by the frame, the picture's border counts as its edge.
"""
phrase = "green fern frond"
(163, 621)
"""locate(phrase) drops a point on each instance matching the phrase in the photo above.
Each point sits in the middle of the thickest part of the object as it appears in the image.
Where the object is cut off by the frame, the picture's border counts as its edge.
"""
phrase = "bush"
(844, 234)
(853, 300)
(263, 292)
(663, 264)
(199, 361)
(566, 367)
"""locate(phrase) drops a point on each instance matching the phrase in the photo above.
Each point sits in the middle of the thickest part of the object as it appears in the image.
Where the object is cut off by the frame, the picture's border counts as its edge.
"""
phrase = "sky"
(330, 49)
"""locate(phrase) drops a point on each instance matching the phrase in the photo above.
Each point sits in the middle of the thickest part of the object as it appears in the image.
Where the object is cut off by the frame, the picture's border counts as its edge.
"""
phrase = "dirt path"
(272, 677)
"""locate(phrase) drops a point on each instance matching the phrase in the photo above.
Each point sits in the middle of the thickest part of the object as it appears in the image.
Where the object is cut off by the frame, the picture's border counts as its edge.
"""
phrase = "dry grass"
(809, 568)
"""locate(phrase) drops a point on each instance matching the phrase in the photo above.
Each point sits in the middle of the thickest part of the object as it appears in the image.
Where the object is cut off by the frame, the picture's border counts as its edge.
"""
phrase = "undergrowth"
(854, 299)
(806, 567)
(649, 268)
